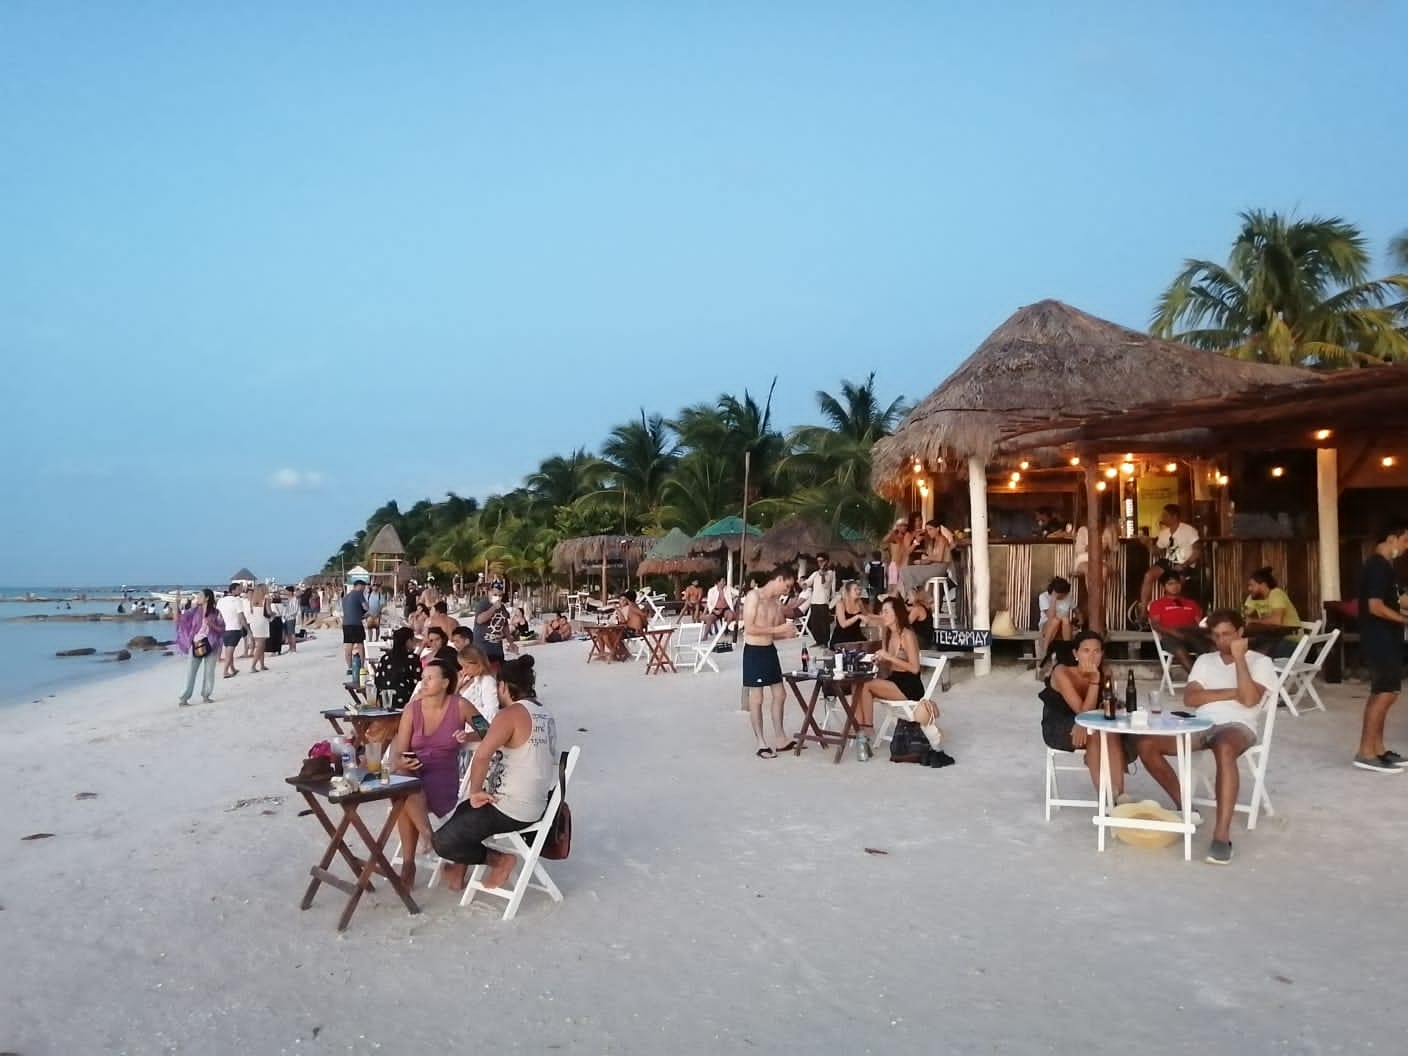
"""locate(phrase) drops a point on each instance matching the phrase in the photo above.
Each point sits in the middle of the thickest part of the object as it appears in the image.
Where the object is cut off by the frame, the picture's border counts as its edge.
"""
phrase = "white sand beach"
(714, 902)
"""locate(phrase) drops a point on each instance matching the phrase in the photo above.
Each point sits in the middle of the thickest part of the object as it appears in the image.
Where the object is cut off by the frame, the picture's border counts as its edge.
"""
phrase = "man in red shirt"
(1176, 618)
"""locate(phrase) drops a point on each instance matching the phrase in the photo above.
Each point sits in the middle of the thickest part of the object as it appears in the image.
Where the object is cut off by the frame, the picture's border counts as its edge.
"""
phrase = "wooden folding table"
(843, 687)
(315, 793)
(658, 639)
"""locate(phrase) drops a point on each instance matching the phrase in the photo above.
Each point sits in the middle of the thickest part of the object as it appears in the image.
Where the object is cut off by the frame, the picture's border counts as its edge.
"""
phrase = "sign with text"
(961, 638)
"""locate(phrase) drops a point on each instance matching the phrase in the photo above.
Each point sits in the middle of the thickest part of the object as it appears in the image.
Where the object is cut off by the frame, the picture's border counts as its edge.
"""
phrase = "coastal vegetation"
(652, 473)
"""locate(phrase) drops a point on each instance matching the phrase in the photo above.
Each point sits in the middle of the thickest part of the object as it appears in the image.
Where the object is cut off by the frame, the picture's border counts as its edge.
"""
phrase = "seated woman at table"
(417, 619)
(518, 628)
(921, 618)
(848, 624)
(558, 629)
(513, 774)
(398, 669)
(432, 728)
(1056, 608)
(1074, 687)
(477, 683)
(898, 656)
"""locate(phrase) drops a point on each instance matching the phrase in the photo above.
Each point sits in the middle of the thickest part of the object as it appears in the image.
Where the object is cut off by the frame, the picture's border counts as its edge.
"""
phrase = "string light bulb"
(1222, 479)
(1112, 472)
(1170, 467)
(1323, 434)
(1012, 484)
(1016, 477)
(1099, 485)
(1388, 461)
(1278, 471)
(1075, 460)
(1024, 464)
(1128, 468)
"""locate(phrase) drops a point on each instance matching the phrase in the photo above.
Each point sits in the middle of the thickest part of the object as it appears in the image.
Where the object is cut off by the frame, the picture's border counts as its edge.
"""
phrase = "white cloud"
(296, 480)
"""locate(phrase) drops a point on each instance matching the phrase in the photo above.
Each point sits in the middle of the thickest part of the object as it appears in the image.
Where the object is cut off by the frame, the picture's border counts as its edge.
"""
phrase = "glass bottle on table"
(1107, 697)
(1131, 694)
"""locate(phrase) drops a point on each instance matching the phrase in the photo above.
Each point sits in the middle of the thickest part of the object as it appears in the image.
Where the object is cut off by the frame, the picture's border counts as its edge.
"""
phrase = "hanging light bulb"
(1128, 468)
(1323, 434)
(1222, 479)
(1012, 483)
(1112, 472)
(1278, 471)
(1016, 477)
(1170, 467)
(1388, 461)
(1099, 485)
(1024, 464)
(1129, 458)
(1075, 460)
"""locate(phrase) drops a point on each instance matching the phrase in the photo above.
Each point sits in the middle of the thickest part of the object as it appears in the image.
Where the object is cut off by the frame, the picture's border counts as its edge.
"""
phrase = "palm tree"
(1398, 251)
(839, 451)
(559, 482)
(640, 455)
(700, 490)
(1292, 292)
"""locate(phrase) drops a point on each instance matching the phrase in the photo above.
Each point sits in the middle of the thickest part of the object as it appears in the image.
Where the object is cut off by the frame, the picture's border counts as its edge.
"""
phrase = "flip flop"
(791, 746)
(766, 753)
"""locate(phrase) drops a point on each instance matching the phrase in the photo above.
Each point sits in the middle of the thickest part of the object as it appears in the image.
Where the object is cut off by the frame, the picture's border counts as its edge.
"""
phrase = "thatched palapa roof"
(724, 534)
(1045, 366)
(589, 551)
(387, 543)
(669, 556)
(244, 575)
(794, 537)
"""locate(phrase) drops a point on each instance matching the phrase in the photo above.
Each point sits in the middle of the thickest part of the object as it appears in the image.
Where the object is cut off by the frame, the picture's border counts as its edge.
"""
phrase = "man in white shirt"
(1229, 688)
(720, 604)
(231, 609)
(1176, 548)
(821, 589)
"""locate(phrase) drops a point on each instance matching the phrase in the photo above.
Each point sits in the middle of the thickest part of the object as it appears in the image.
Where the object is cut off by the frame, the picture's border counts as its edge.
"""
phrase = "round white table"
(1167, 725)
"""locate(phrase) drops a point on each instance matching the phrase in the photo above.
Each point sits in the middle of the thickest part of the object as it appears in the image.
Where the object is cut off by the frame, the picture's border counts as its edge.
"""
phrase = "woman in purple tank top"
(432, 730)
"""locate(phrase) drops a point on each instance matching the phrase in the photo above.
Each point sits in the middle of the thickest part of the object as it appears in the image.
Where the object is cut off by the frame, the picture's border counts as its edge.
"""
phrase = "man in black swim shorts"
(763, 624)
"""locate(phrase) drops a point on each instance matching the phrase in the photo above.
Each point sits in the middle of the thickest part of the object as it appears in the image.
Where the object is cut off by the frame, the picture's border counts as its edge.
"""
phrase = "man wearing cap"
(354, 611)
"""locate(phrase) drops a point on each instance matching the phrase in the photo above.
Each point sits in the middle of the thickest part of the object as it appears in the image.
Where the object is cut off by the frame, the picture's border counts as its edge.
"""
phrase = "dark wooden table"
(608, 643)
(841, 686)
(658, 639)
(316, 793)
(360, 721)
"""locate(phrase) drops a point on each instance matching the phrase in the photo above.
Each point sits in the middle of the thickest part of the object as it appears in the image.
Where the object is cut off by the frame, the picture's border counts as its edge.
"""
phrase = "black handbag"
(908, 745)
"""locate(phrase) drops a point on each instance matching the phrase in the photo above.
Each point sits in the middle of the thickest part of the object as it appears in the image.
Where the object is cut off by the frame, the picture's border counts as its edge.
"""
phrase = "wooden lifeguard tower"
(386, 555)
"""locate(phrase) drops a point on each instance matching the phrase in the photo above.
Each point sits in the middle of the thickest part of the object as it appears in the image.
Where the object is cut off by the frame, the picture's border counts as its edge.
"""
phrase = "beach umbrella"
(798, 537)
(244, 575)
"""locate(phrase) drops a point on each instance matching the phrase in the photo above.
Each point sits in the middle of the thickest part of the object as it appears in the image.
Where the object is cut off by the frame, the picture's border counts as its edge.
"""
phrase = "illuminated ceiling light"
(1170, 467)
(1128, 468)
(1011, 483)
(1323, 434)
(1099, 485)
(1388, 461)
(1112, 472)
(1024, 464)
(1016, 477)
(1278, 471)
(1222, 478)
(1075, 460)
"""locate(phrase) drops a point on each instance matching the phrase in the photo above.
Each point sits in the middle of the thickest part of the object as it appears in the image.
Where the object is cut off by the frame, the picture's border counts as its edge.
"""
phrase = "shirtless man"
(763, 624)
(630, 614)
(440, 617)
(898, 543)
(693, 598)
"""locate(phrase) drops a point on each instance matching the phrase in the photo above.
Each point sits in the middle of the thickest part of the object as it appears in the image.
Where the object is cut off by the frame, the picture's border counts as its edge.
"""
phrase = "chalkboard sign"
(961, 638)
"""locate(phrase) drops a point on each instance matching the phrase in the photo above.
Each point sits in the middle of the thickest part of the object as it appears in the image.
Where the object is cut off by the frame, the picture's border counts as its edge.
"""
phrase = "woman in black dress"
(399, 669)
(899, 657)
(848, 624)
(1074, 688)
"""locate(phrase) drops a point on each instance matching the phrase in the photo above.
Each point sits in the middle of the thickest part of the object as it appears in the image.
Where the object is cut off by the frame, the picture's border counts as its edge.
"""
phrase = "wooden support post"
(1095, 562)
(981, 573)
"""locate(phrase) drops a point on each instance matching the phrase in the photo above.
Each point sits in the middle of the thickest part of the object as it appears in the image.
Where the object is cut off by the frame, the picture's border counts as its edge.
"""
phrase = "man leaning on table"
(1228, 687)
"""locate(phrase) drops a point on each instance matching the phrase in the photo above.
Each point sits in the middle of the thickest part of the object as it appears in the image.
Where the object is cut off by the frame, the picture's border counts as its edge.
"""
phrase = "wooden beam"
(1095, 562)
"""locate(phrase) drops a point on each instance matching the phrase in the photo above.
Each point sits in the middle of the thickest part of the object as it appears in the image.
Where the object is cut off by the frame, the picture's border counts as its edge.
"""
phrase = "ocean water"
(29, 670)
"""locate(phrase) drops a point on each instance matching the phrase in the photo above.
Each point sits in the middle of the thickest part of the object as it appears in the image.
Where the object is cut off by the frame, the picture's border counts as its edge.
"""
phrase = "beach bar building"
(386, 555)
(1099, 424)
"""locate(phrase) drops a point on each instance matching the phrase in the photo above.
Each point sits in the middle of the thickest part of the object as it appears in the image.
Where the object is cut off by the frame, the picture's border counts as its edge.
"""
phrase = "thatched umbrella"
(244, 575)
(723, 537)
(576, 555)
(669, 556)
(1045, 366)
(797, 537)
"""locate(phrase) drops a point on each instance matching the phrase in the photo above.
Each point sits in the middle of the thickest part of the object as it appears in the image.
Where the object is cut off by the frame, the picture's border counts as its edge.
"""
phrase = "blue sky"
(264, 266)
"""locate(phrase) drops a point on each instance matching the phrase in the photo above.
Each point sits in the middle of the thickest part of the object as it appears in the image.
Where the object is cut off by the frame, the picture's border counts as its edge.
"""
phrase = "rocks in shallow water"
(75, 652)
(122, 654)
(143, 641)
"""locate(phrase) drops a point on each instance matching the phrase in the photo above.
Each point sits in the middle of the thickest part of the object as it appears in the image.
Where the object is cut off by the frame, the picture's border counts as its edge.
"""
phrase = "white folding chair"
(1054, 800)
(904, 709)
(1302, 668)
(1255, 757)
(683, 642)
(1169, 684)
(704, 650)
(529, 872)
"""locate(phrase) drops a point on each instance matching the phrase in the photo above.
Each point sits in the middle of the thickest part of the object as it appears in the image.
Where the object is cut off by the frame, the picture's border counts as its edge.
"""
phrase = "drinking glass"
(1156, 706)
(372, 759)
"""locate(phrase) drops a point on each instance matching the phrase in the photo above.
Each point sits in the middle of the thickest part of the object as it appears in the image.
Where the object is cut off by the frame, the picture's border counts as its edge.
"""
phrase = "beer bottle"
(1107, 696)
(806, 659)
(1131, 694)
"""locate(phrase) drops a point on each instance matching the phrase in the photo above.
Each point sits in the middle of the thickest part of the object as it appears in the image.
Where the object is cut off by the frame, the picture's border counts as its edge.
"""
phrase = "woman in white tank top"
(513, 773)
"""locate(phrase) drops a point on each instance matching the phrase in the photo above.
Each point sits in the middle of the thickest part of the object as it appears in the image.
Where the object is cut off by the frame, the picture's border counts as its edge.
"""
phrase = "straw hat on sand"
(1150, 811)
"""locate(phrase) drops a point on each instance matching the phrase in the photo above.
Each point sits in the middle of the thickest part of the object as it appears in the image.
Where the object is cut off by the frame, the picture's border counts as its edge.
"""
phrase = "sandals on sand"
(766, 753)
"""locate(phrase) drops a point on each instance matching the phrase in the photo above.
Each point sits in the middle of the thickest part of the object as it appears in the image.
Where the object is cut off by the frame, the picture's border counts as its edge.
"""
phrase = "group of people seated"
(1227, 685)
(1272, 622)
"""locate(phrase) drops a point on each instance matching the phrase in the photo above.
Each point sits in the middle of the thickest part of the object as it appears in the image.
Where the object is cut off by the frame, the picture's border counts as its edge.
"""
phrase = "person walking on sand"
(354, 611)
(763, 625)
(257, 616)
(821, 591)
(199, 634)
(374, 607)
(1382, 614)
(291, 610)
(231, 609)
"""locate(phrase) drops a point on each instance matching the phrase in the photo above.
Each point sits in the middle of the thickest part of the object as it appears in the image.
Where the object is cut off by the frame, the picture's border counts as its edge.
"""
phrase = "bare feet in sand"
(500, 865)
(453, 872)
